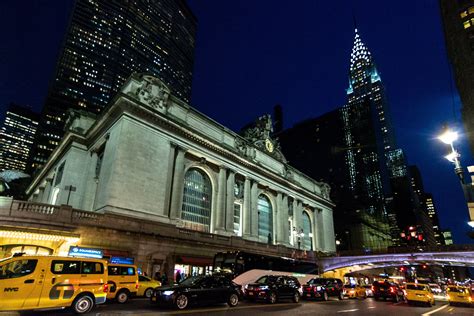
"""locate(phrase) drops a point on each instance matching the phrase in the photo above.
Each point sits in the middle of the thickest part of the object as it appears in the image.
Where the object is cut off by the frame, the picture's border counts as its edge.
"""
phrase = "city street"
(332, 307)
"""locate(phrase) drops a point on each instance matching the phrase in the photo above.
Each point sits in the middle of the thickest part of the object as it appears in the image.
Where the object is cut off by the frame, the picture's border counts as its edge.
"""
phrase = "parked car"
(460, 295)
(387, 290)
(198, 290)
(416, 292)
(322, 288)
(354, 291)
(271, 288)
(146, 286)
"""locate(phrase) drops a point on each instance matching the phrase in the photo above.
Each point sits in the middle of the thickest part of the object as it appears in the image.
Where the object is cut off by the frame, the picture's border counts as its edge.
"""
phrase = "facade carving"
(149, 90)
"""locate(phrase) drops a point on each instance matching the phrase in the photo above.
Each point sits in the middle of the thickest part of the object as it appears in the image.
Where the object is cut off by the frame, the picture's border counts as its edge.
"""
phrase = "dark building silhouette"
(106, 41)
(16, 137)
(458, 22)
(430, 215)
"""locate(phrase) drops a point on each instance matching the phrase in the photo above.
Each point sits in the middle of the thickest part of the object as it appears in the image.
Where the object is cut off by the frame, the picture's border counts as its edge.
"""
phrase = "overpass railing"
(404, 249)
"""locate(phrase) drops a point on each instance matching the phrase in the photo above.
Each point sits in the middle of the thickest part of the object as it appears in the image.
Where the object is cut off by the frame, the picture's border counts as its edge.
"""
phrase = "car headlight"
(318, 288)
(265, 287)
(167, 293)
(246, 286)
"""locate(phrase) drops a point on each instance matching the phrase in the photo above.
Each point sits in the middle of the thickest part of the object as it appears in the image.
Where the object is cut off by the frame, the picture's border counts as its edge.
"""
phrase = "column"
(277, 219)
(320, 223)
(297, 210)
(220, 209)
(178, 184)
(246, 222)
(229, 221)
(254, 209)
(283, 216)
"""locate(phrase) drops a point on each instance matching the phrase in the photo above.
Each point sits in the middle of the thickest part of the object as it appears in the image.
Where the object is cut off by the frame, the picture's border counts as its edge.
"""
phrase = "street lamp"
(449, 137)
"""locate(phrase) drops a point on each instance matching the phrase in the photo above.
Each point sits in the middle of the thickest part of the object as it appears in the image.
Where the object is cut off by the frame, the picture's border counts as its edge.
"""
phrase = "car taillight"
(106, 288)
(137, 285)
(372, 288)
(392, 290)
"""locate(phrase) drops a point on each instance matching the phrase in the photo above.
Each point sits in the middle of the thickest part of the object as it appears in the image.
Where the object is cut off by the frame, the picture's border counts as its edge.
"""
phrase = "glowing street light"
(449, 137)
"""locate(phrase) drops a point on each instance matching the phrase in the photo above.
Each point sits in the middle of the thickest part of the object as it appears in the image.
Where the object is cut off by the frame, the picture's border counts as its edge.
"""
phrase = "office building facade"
(16, 137)
(107, 41)
(458, 23)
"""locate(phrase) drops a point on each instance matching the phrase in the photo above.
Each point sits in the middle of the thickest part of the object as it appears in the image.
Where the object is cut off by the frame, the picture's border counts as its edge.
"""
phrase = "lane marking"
(348, 310)
(436, 310)
(221, 309)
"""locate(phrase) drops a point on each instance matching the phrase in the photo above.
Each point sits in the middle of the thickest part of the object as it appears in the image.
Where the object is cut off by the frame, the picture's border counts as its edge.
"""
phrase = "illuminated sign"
(121, 260)
(75, 251)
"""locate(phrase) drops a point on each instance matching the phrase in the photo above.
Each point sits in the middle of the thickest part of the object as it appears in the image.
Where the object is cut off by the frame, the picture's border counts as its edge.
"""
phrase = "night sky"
(251, 55)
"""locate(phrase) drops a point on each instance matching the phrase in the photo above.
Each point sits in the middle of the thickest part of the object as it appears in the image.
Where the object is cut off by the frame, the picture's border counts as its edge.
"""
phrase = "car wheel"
(181, 301)
(148, 292)
(233, 300)
(325, 296)
(122, 297)
(396, 299)
(272, 298)
(429, 304)
(341, 296)
(83, 304)
(296, 297)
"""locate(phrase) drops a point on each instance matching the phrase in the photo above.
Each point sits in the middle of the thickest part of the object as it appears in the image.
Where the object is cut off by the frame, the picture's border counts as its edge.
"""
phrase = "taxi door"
(61, 282)
(18, 283)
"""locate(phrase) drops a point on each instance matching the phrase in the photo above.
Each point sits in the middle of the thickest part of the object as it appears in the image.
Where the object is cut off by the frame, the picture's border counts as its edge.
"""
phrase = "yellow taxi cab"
(146, 286)
(417, 292)
(123, 282)
(459, 295)
(354, 291)
(49, 282)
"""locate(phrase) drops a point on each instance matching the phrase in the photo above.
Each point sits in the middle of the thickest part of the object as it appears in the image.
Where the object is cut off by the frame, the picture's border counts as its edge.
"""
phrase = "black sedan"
(271, 288)
(198, 290)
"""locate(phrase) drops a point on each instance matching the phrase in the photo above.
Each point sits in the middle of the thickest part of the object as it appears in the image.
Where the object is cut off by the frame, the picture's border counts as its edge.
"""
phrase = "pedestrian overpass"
(456, 256)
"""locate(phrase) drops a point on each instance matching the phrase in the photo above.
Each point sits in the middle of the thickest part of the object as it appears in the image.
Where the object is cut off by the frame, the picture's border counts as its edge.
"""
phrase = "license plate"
(308, 295)
(153, 298)
(250, 293)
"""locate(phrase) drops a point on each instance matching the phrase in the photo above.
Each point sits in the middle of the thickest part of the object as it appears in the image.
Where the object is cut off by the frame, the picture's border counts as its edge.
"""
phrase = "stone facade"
(135, 160)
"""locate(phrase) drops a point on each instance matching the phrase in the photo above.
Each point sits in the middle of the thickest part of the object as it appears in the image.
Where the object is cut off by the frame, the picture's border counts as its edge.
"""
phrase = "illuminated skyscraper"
(16, 137)
(106, 41)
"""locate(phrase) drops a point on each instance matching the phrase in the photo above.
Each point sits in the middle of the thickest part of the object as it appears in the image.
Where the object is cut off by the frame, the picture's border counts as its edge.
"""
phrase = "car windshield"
(266, 279)
(457, 289)
(418, 287)
(191, 280)
(318, 281)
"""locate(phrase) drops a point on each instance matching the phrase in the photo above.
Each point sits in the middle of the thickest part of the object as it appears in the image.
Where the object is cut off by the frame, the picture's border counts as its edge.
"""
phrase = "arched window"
(197, 198)
(265, 219)
(308, 232)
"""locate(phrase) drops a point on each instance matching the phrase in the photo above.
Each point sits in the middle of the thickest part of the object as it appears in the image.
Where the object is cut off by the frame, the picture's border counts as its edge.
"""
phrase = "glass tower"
(106, 41)
(16, 137)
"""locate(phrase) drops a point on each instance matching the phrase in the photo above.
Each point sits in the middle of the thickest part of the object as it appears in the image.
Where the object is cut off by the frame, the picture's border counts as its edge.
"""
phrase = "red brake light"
(392, 290)
(106, 288)
(137, 285)
(372, 288)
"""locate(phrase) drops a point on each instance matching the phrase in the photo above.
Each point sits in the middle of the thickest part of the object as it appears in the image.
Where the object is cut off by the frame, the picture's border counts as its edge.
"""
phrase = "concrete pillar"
(277, 221)
(321, 231)
(254, 209)
(47, 191)
(283, 235)
(229, 221)
(220, 209)
(246, 222)
(178, 185)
